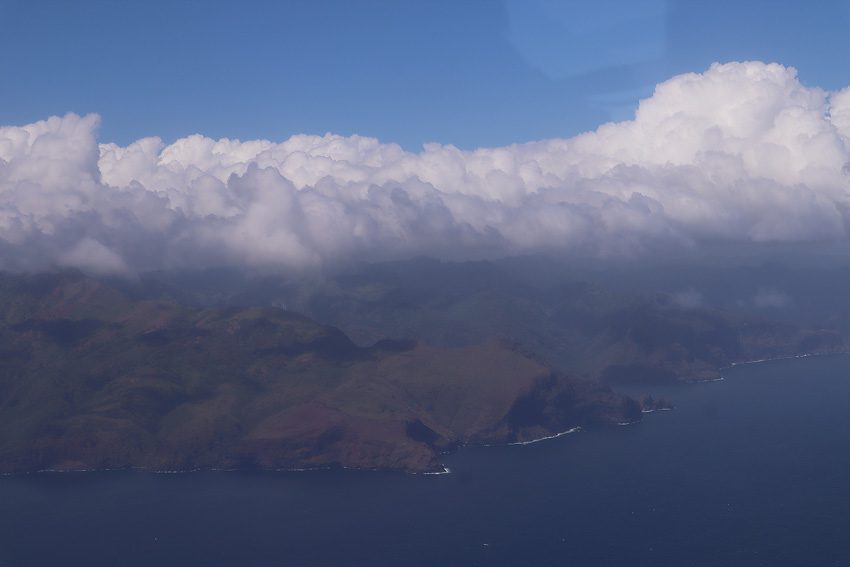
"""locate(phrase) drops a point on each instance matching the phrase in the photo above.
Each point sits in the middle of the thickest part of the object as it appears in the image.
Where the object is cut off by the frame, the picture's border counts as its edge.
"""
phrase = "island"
(93, 379)
(101, 375)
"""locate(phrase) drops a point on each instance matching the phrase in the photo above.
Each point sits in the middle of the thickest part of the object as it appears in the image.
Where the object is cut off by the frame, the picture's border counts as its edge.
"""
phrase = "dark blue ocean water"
(753, 470)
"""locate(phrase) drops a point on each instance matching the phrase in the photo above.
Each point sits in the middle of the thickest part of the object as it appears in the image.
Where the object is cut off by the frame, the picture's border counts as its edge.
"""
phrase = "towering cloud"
(743, 152)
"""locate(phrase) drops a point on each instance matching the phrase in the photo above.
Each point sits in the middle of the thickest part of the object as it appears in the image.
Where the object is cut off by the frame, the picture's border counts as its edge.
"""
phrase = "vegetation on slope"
(91, 378)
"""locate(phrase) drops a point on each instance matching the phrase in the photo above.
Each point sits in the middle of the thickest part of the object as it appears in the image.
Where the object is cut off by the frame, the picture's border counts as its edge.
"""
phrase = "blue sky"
(471, 73)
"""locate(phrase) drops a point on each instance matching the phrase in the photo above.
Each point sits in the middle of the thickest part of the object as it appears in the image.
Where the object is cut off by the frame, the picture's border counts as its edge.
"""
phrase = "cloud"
(92, 256)
(771, 298)
(741, 153)
(687, 299)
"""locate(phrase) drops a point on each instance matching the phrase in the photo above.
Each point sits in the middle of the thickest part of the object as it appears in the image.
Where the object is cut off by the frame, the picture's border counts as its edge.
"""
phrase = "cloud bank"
(741, 153)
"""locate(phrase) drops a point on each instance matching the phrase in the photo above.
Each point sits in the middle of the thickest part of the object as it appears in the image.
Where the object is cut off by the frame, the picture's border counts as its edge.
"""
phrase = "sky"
(278, 136)
(472, 73)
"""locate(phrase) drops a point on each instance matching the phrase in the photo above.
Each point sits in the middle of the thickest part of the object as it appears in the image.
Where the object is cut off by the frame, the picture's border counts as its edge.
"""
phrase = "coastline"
(575, 429)
(445, 470)
(776, 358)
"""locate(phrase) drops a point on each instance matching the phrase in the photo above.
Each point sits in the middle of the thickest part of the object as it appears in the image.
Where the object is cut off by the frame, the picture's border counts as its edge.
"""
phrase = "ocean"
(751, 470)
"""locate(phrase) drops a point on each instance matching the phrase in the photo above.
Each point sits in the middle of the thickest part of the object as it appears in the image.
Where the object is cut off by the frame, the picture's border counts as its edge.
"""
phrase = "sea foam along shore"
(806, 355)
(571, 430)
(446, 470)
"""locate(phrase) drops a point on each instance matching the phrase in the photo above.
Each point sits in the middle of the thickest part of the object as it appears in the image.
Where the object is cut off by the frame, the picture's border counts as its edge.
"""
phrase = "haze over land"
(742, 153)
(96, 376)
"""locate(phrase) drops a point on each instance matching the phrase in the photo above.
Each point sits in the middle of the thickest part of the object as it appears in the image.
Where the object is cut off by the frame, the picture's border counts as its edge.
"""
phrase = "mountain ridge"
(93, 379)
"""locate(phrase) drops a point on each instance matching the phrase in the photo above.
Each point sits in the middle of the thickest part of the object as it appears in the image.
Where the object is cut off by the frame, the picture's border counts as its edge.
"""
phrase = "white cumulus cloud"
(741, 153)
